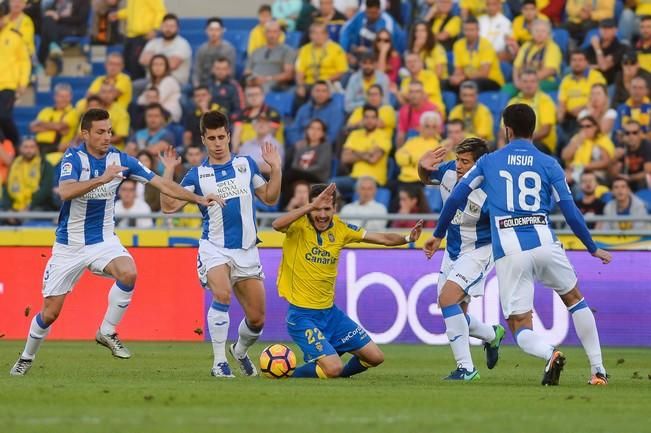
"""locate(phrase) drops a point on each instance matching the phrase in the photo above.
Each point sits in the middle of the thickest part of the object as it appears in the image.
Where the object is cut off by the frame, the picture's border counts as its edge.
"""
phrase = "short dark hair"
(193, 146)
(471, 20)
(264, 8)
(579, 53)
(217, 20)
(474, 145)
(171, 17)
(94, 98)
(372, 4)
(620, 178)
(646, 18)
(456, 122)
(213, 120)
(93, 115)
(155, 106)
(521, 119)
(321, 83)
(223, 59)
(318, 188)
(200, 87)
(378, 87)
(369, 107)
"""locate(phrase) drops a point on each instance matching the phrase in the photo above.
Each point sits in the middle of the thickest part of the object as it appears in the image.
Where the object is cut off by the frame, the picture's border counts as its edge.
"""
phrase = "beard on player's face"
(321, 218)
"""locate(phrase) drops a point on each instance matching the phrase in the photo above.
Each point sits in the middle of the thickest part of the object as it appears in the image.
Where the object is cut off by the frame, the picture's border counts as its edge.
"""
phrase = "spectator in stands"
(300, 194)
(496, 28)
(22, 23)
(629, 20)
(589, 149)
(103, 31)
(358, 84)
(129, 204)
(455, 134)
(605, 51)
(155, 137)
(115, 76)
(312, 158)
(258, 36)
(286, 11)
(583, 16)
(365, 206)
(366, 151)
(375, 97)
(429, 80)
(358, 35)
(624, 203)
(169, 89)
(388, 58)
(541, 54)
(409, 154)
(191, 121)
(644, 44)
(412, 201)
(55, 127)
(574, 91)
(522, 23)
(120, 119)
(264, 129)
(147, 192)
(143, 17)
(446, 26)
(216, 47)
(225, 90)
(633, 160)
(173, 46)
(599, 108)
(432, 53)
(320, 106)
(60, 19)
(271, 65)
(589, 204)
(326, 13)
(14, 77)
(321, 59)
(477, 118)
(409, 114)
(544, 137)
(637, 107)
(7, 155)
(29, 182)
(193, 156)
(623, 80)
(475, 59)
(243, 129)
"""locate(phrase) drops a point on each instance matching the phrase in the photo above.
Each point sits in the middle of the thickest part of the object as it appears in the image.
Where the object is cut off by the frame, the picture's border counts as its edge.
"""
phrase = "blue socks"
(353, 366)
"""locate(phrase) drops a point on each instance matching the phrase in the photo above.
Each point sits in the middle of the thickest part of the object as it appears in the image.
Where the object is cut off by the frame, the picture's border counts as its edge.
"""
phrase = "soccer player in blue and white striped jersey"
(521, 184)
(468, 258)
(228, 257)
(90, 177)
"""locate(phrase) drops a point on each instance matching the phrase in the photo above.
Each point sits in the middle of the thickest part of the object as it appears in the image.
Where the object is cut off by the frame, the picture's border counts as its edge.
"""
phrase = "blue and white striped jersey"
(232, 226)
(90, 219)
(520, 183)
(470, 228)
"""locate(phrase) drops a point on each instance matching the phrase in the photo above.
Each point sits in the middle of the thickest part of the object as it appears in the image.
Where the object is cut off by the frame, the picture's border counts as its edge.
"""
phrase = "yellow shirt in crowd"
(431, 85)
(584, 154)
(601, 9)
(362, 141)
(24, 25)
(386, 113)
(534, 57)
(574, 92)
(257, 39)
(470, 59)
(545, 110)
(478, 122)
(435, 58)
(643, 8)
(50, 114)
(452, 27)
(521, 32)
(409, 154)
(16, 66)
(142, 16)
(321, 63)
(122, 82)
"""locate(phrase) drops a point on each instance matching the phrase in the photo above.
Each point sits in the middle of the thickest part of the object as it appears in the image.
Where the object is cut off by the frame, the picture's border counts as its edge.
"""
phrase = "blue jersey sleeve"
(436, 176)
(560, 188)
(191, 180)
(70, 168)
(135, 169)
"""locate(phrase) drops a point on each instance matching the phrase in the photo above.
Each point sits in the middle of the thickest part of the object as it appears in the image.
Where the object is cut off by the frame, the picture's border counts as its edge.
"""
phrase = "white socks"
(247, 337)
(118, 300)
(480, 330)
(586, 330)
(218, 322)
(533, 344)
(456, 328)
(38, 330)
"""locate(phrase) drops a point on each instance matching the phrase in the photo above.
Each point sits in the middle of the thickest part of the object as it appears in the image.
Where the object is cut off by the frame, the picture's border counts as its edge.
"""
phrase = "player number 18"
(525, 191)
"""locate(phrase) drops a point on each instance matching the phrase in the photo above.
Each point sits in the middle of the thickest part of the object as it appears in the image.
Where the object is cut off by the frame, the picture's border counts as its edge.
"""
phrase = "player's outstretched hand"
(112, 172)
(325, 197)
(212, 200)
(169, 158)
(431, 245)
(271, 155)
(415, 232)
(603, 255)
(433, 158)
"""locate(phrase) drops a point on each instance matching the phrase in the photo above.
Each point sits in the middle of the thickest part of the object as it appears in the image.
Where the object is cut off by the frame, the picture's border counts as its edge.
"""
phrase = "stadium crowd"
(348, 90)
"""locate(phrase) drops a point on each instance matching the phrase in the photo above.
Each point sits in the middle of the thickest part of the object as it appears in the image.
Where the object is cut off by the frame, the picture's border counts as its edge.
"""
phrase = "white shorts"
(243, 264)
(68, 263)
(516, 274)
(469, 271)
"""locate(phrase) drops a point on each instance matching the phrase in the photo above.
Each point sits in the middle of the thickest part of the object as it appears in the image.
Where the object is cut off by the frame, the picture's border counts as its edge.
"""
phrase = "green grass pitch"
(165, 387)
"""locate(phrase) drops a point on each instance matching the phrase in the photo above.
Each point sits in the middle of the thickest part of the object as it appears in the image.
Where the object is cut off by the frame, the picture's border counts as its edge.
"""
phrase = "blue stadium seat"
(494, 101)
(562, 39)
(98, 68)
(26, 112)
(194, 37)
(239, 39)
(239, 23)
(507, 71)
(281, 101)
(293, 39)
(188, 24)
(44, 99)
(81, 83)
(383, 195)
(449, 100)
(450, 56)
(606, 197)
(619, 8)
(434, 199)
(392, 169)
(645, 196)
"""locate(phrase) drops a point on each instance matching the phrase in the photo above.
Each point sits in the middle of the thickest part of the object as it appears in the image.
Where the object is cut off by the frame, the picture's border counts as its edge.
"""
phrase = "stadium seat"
(507, 71)
(293, 39)
(619, 8)
(434, 199)
(77, 83)
(645, 196)
(494, 101)
(606, 197)
(281, 101)
(449, 100)
(239, 23)
(562, 39)
(383, 196)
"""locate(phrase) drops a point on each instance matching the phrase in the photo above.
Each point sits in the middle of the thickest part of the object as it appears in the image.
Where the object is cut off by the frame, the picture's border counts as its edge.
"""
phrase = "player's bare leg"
(123, 269)
(586, 329)
(368, 356)
(251, 296)
(38, 330)
(218, 320)
(521, 326)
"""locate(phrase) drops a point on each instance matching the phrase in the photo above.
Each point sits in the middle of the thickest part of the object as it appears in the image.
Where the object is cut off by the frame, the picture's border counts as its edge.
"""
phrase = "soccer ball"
(277, 361)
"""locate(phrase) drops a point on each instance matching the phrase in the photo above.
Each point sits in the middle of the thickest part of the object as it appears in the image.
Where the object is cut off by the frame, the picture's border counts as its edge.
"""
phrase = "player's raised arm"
(170, 161)
(270, 191)
(429, 163)
(326, 198)
(394, 239)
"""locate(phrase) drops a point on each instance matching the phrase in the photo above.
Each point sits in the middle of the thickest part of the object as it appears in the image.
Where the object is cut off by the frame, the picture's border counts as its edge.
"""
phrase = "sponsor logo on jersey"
(102, 192)
(523, 221)
(353, 333)
(66, 169)
(331, 237)
(230, 189)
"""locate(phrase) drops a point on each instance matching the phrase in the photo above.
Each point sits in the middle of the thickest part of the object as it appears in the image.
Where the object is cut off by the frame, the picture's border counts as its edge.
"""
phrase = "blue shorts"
(324, 332)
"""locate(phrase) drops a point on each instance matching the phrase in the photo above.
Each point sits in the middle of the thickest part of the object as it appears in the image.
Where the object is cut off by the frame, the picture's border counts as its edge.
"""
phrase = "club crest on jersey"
(223, 172)
(472, 207)
(241, 168)
(331, 237)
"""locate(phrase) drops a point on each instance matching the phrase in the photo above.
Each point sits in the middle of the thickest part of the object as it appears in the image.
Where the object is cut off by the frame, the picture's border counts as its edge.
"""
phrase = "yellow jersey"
(24, 25)
(435, 58)
(478, 122)
(574, 92)
(386, 113)
(122, 82)
(409, 154)
(308, 268)
(50, 114)
(534, 57)
(321, 63)
(362, 141)
(643, 8)
(15, 58)
(586, 152)
(452, 26)
(545, 110)
(470, 59)
(431, 85)
(474, 7)
(142, 16)
(521, 32)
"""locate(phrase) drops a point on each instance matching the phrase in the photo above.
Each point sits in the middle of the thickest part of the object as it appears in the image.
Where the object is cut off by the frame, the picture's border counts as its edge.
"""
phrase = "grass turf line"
(166, 387)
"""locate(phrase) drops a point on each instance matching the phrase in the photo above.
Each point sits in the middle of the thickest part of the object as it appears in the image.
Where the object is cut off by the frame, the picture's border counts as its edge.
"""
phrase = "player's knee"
(256, 322)
(332, 368)
(49, 316)
(375, 358)
(572, 297)
(128, 277)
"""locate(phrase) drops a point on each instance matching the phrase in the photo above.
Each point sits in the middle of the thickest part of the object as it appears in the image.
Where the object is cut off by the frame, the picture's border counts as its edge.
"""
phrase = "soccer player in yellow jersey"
(308, 270)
